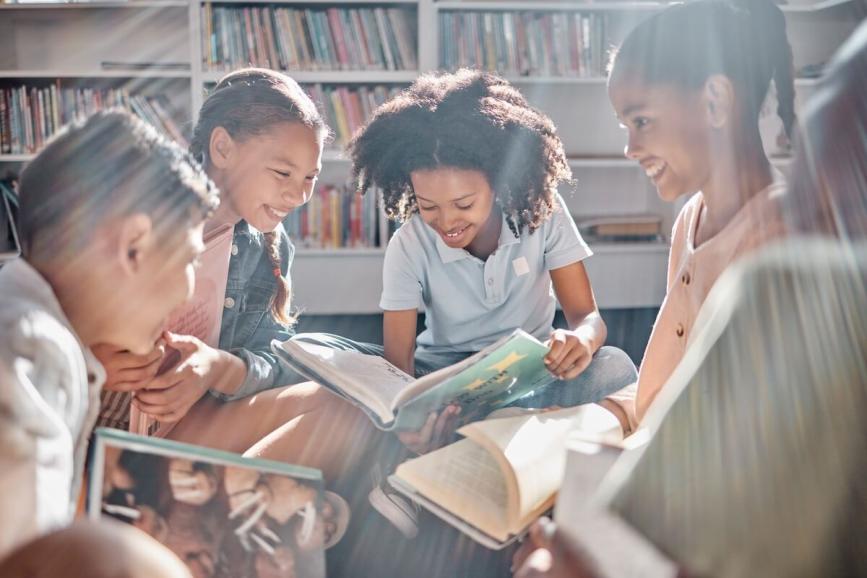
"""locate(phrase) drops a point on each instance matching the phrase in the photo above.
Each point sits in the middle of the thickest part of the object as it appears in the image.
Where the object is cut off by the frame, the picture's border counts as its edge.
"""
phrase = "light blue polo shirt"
(470, 303)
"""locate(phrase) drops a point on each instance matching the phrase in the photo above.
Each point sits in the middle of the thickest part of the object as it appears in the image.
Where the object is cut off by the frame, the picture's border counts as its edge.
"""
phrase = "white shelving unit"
(71, 41)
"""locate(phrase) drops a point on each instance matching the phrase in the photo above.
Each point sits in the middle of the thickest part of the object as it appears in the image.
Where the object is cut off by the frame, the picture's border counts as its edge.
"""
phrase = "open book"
(221, 513)
(505, 474)
(491, 378)
(201, 316)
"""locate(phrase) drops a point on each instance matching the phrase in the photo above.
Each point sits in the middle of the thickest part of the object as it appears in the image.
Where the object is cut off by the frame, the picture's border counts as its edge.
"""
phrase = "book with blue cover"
(492, 378)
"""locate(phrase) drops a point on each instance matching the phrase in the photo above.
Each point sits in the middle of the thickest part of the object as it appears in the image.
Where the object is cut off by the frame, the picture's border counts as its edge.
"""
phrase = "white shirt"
(470, 303)
(49, 400)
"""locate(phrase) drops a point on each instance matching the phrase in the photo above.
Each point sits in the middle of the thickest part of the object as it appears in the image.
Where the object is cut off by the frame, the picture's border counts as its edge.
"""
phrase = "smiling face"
(456, 203)
(669, 134)
(265, 176)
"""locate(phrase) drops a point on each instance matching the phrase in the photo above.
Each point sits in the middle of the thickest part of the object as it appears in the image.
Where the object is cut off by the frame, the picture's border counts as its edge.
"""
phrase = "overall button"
(229, 303)
(234, 249)
(680, 330)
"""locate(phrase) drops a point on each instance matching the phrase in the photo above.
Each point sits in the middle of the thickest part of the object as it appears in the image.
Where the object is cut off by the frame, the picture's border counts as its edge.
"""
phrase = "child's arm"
(572, 350)
(398, 329)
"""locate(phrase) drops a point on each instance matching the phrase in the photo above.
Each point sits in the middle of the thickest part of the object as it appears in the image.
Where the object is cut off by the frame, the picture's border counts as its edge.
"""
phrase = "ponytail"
(744, 40)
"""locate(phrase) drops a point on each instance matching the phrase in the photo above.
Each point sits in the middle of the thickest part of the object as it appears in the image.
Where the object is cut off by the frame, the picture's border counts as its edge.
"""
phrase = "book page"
(535, 448)
(465, 479)
(369, 379)
(200, 316)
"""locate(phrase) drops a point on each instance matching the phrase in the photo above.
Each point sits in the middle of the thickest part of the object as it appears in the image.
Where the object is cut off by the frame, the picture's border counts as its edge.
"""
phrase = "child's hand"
(548, 553)
(569, 354)
(169, 397)
(127, 371)
(435, 432)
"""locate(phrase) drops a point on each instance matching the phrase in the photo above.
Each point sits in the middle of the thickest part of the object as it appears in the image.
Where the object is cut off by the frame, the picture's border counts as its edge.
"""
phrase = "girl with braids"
(260, 139)
(472, 171)
(688, 84)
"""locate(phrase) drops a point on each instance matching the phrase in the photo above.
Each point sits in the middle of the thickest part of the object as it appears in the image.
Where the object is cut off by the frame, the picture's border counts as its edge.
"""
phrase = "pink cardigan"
(692, 271)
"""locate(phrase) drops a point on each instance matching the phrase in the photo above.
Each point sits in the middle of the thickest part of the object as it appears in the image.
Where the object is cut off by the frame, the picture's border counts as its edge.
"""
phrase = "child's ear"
(719, 99)
(135, 240)
(220, 148)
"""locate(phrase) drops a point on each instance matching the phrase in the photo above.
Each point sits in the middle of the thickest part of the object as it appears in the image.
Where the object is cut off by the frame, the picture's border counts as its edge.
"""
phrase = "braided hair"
(249, 102)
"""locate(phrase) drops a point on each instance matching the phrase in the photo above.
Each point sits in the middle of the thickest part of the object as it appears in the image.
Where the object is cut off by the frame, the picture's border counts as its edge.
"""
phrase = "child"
(792, 382)
(260, 138)
(688, 84)
(110, 222)
(472, 171)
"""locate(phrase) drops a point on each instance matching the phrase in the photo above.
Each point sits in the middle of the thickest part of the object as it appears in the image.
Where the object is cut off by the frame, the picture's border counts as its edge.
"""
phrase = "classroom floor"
(628, 329)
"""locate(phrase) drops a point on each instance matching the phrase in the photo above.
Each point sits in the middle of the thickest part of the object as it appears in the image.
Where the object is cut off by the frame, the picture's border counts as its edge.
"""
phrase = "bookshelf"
(106, 44)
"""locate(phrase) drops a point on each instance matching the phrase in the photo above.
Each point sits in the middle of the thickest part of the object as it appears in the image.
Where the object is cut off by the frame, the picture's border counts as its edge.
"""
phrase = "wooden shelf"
(626, 6)
(51, 74)
(337, 76)
(133, 5)
(16, 158)
(361, 252)
(552, 6)
(325, 2)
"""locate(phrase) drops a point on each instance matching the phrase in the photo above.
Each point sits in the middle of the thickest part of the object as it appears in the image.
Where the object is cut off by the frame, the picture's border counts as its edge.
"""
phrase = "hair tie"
(277, 272)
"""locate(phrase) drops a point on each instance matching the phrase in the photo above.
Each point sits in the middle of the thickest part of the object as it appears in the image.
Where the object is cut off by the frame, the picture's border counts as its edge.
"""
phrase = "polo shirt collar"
(451, 254)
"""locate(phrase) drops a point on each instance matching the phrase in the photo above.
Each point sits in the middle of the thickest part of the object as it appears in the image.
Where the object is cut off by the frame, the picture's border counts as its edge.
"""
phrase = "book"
(495, 376)
(621, 228)
(507, 471)
(10, 248)
(221, 513)
(589, 458)
(201, 316)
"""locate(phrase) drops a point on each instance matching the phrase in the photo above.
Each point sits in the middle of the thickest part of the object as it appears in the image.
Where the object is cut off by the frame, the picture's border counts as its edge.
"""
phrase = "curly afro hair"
(467, 120)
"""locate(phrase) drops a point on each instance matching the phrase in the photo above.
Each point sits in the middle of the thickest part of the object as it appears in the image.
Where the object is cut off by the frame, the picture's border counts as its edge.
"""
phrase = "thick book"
(503, 476)
(499, 374)
(201, 316)
(221, 513)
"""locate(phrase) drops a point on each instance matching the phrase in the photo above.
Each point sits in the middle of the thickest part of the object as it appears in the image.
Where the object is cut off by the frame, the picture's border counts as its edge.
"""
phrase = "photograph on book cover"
(224, 515)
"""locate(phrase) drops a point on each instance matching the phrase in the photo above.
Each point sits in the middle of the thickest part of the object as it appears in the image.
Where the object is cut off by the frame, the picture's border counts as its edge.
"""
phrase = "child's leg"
(94, 550)
(303, 424)
(611, 370)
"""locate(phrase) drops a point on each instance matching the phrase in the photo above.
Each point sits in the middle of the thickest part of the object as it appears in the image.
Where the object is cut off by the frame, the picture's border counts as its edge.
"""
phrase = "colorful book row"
(335, 218)
(558, 44)
(309, 39)
(347, 109)
(30, 115)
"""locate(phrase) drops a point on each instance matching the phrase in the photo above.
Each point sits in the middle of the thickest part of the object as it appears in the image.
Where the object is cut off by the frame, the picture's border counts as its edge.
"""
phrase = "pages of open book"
(533, 447)
(369, 379)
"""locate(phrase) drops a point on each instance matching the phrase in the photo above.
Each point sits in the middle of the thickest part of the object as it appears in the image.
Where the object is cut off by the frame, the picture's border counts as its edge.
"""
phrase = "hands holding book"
(570, 353)
(437, 431)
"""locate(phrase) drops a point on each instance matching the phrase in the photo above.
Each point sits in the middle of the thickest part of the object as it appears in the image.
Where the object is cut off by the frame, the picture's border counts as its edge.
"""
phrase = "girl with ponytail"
(260, 139)
(688, 84)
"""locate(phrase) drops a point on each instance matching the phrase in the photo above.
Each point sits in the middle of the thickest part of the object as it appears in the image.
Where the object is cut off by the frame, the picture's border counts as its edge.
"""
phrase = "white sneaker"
(402, 513)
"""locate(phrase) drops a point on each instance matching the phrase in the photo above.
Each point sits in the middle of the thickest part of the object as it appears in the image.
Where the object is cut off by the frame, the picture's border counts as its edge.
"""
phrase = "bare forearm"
(591, 328)
(228, 373)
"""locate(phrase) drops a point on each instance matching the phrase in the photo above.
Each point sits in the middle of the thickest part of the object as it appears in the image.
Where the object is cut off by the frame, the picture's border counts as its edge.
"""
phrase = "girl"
(260, 138)
(111, 226)
(688, 84)
(472, 171)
